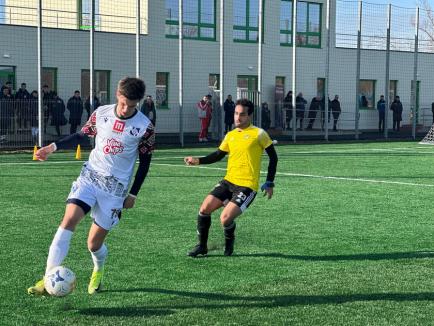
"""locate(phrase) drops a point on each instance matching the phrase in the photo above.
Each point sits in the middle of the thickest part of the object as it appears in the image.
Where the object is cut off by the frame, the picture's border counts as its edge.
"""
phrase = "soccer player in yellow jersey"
(245, 145)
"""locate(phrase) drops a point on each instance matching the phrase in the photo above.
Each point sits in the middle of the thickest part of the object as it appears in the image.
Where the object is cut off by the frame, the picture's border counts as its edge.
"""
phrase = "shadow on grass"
(125, 312)
(221, 301)
(374, 256)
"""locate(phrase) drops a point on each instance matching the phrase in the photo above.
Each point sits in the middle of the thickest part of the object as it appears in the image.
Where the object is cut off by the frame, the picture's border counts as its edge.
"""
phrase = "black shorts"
(240, 196)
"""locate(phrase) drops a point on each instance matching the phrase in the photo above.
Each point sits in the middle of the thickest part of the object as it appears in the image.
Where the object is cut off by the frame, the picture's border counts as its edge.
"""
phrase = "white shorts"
(105, 208)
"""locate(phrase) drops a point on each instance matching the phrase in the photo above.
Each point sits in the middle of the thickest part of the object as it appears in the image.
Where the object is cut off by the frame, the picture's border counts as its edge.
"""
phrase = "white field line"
(310, 176)
(262, 172)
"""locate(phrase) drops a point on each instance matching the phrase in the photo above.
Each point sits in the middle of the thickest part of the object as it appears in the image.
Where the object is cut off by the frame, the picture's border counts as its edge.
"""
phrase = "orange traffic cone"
(78, 153)
(34, 153)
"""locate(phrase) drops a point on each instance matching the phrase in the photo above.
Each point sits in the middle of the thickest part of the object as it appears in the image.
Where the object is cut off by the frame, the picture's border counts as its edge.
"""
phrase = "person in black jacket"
(397, 109)
(22, 106)
(75, 107)
(300, 107)
(314, 108)
(229, 108)
(432, 110)
(287, 106)
(335, 108)
(148, 109)
(96, 104)
(58, 113)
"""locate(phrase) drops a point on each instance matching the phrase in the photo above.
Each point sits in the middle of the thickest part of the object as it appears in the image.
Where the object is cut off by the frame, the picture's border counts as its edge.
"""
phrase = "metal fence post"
(359, 41)
(181, 73)
(39, 36)
(414, 88)
(387, 78)
(294, 62)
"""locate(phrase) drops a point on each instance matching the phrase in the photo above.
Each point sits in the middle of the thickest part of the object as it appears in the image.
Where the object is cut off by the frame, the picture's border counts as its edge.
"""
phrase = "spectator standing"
(96, 104)
(266, 116)
(300, 107)
(22, 105)
(148, 109)
(314, 108)
(432, 110)
(75, 108)
(33, 115)
(47, 101)
(204, 110)
(6, 111)
(229, 108)
(335, 108)
(381, 108)
(363, 102)
(397, 109)
(287, 106)
(58, 113)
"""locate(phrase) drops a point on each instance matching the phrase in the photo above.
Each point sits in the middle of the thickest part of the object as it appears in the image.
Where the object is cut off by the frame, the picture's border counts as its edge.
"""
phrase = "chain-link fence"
(314, 69)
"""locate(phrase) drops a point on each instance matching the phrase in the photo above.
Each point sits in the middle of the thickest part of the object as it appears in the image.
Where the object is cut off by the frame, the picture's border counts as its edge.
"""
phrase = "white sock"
(99, 257)
(59, 248)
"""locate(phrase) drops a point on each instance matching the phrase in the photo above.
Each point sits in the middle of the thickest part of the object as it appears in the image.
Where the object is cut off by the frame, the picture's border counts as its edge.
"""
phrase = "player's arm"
(146, 148)
(209, 159)
(71, 141)
(268, 186)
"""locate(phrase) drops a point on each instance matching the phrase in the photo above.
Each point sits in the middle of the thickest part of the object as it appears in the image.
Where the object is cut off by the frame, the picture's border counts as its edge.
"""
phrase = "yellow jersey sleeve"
(224, 146)
(264, 139)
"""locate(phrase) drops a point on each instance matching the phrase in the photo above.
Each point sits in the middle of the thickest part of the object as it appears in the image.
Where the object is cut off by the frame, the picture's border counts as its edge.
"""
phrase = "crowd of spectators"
(19, 110)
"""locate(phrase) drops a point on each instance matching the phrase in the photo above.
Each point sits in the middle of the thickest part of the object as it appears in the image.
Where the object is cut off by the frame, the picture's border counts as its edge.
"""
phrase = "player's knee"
(225, 219)
(93, 246)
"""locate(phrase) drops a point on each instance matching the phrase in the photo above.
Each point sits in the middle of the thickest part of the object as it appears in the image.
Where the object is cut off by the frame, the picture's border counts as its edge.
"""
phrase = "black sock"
(229, 231)
(203, 225)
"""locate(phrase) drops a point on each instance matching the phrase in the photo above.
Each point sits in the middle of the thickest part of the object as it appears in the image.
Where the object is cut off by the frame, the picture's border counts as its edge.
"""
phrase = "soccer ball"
(59, 281)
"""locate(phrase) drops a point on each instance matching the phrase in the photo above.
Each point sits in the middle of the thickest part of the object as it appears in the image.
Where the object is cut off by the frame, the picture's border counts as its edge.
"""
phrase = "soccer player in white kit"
(121, 134)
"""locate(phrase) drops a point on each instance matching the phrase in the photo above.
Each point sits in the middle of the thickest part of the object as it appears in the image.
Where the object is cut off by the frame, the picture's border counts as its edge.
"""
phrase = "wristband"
(54, 146)
(131, 195)
(267, 184)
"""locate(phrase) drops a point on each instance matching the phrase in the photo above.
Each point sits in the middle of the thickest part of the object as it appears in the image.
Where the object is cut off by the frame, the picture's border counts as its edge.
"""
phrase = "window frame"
(12, 74)
(247, 27)
(308, 33)
(199, 25)
(157, 105)
(54, 70)
(373, 107)
(217, 77)
(108, 83)
(80, 14)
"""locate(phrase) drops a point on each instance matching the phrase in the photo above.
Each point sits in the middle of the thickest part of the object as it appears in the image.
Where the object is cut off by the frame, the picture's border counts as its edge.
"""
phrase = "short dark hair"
(246, 104)
(23, 84)
(132, 88)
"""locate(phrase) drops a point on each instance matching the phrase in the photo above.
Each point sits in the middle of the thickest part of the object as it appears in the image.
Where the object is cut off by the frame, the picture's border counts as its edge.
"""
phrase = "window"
(2, 12)
(7, 74)
(214, 82)
(246, 20)
(199, 19)
(393, 86)
(162, 90)
(49, 77)
(320, 87)
(279, 89)
(84, 14)
(286, 22)
(367, 94)
(101, 87)
(309, 24)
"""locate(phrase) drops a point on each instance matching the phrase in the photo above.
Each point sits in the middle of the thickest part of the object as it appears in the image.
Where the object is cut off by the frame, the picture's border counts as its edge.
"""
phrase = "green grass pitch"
(346, 240)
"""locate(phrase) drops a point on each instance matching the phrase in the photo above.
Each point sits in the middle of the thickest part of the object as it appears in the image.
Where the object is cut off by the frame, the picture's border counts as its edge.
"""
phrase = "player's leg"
(60, 245)
(209, 205)
(242, 197)
(99, 252)
(106, 214)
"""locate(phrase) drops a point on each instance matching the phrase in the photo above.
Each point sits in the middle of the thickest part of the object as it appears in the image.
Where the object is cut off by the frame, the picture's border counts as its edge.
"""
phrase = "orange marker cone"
(78, 153)
(34, 153)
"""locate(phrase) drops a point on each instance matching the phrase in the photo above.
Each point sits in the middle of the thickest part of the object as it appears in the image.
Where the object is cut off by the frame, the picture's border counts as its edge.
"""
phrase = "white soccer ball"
(275, 142)
(59, 281)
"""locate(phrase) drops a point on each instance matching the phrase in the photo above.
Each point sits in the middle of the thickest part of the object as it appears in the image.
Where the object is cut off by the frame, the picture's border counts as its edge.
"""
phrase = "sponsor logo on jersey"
(134, 131)
(118, 126)
(113, 147)
(105, 119)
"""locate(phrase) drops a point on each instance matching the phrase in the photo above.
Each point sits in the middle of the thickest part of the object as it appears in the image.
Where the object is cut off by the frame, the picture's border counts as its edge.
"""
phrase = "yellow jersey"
(245, 148)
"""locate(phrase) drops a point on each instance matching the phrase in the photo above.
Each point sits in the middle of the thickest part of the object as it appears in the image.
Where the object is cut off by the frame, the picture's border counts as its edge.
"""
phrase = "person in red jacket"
(204, 111)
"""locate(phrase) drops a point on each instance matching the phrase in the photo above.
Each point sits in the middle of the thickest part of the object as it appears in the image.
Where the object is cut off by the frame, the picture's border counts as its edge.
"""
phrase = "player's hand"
(267, 189)
(42, 153)
(190, 160)
(129, 202)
